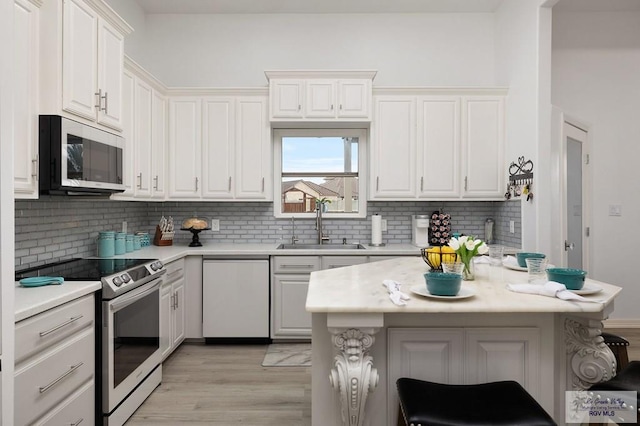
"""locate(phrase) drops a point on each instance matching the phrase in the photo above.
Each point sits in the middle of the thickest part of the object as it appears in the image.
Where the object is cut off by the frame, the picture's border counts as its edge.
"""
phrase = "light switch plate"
(615, 210)
(512, 226)
(215, 224)
(384, 225)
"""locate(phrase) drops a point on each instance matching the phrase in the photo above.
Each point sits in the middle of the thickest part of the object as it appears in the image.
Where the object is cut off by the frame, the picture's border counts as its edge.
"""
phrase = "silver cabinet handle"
(340, 107)
(331, 107)
(422, 183)
(377, 183)
(35, 164)
(177, 300)
(299, 107)
(229, 183)
(105, 97)
(155, 186)
(77, 422)
(262, 184)
(466, 181)
(59, 326)
(99, 99)
(196, 183)
(73, 368)
(140, 180)
(173, 301)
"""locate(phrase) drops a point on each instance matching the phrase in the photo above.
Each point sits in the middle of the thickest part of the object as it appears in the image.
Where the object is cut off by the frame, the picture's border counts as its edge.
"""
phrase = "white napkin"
(397, 297)
(551, 289)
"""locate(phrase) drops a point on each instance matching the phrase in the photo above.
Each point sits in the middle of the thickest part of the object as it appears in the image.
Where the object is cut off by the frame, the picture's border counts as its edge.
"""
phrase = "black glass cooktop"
(81, 269)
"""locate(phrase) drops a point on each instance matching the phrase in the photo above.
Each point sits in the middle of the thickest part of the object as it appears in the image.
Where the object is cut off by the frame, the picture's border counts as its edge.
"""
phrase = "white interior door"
(575, 201)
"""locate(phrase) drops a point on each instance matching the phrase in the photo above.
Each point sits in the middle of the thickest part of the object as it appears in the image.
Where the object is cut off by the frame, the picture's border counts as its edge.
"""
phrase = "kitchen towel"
(376, 230)
(550, 289)
(397, 297)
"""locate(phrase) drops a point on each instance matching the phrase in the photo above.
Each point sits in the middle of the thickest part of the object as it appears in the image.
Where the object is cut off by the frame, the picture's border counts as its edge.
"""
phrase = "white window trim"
(363, 137)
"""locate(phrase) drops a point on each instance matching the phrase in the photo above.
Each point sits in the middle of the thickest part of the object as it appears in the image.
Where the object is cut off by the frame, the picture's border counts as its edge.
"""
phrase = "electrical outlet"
(215, 224)
(384, 225)
(615, 210)
(512, 226)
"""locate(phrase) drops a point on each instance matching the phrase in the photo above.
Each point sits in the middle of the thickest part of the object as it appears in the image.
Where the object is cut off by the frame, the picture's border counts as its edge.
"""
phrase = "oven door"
(130, 342)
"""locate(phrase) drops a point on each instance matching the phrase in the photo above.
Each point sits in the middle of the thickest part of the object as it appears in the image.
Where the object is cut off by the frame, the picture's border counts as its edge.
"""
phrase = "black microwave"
(78, 159)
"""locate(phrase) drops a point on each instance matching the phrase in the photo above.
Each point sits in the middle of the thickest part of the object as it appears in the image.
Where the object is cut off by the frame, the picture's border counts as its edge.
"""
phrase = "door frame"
(569, 125)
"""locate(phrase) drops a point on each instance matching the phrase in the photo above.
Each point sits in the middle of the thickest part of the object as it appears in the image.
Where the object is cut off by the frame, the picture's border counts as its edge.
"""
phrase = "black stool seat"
(487, 404)
(626, 380)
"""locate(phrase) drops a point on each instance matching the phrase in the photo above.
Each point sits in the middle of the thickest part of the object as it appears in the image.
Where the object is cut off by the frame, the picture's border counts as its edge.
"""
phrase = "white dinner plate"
(462, 294)
(513, 266)
(588, 288)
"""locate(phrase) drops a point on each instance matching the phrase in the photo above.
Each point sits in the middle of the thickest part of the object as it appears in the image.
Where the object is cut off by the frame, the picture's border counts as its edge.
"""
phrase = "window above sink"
(320, 164)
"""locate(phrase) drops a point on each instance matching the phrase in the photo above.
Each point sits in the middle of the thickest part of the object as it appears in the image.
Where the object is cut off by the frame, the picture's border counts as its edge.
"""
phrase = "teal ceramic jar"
(120, 245)
(443, 283)
(129, 243)
(106, 243)
(136, 242)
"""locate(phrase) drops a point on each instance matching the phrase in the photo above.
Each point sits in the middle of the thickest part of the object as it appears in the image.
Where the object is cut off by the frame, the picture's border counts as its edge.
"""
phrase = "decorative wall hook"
(520, 179)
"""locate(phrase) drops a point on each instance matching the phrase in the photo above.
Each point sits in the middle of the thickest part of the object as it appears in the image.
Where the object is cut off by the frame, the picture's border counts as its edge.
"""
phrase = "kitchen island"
(362, 342)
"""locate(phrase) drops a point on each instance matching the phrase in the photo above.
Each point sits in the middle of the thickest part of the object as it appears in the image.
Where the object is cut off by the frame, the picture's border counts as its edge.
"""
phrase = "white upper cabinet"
(318, 96)
(483, 146)
(393, 148)
(25, 100)
(83, 53)
(218, 146)
(158, 145)
(458, 152)
(142, 142)
(185, 145)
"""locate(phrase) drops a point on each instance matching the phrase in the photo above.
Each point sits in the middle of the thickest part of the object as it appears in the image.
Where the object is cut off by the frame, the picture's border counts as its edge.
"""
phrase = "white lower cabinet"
(172, 312)
(289, 285)
(55, 366)
(235, 298)
(463, 356)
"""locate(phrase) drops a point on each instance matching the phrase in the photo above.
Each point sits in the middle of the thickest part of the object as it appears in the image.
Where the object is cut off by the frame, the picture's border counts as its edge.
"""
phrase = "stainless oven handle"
(126, 300)
(73, 368)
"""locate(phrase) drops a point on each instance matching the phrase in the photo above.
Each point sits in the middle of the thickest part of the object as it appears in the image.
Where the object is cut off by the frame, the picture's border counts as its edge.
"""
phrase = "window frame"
(363, 137)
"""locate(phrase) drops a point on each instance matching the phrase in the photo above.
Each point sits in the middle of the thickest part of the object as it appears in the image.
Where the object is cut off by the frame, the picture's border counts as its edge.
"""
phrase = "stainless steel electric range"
(127, 329)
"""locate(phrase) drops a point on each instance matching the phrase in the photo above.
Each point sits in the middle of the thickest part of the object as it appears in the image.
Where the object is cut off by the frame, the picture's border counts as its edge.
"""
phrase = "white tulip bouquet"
(467, 247)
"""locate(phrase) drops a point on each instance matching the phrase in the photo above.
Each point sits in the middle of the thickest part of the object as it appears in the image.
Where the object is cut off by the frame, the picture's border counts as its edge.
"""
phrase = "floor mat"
(288, 355)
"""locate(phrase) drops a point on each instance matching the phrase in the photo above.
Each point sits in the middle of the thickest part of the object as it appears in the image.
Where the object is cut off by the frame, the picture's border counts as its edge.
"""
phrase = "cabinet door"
(143, 146)
(483, 144)
(178, 316)
(166, 319)
(393, 150)
(287, 98)
(79, 58)
(290, 319)
(439, 147)
(110, 66)
(494, 354)
(25, 101)
(218, 152)
(321, 99)
(354, 99)
(253, 163)
(158, 145)
(185, 136)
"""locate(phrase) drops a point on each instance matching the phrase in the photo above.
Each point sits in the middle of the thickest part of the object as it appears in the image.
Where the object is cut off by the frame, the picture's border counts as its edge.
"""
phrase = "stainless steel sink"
(320, 247)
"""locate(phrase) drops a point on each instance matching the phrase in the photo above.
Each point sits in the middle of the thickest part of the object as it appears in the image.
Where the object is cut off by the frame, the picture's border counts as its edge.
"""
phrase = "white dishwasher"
(235, 298)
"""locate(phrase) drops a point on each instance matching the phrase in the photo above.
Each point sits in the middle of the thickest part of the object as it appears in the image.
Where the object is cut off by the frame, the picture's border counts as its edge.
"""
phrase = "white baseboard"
(622, 323)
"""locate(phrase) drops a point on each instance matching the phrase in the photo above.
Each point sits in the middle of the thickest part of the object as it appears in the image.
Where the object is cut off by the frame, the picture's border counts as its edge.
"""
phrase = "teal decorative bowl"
(443, 283)
(524, 255)
(573, 279)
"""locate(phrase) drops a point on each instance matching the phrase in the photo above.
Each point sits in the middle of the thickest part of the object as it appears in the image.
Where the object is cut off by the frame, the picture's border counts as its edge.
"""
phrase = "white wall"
(596, 78)
(517, 38)
(130, 11)
(406, 49)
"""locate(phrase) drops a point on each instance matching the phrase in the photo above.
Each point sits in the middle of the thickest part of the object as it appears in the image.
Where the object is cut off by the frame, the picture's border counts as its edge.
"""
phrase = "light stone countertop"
(359, 289)
(30, 301)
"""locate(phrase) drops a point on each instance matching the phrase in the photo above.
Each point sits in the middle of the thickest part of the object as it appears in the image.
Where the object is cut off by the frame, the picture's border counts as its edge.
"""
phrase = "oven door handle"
(128, 299)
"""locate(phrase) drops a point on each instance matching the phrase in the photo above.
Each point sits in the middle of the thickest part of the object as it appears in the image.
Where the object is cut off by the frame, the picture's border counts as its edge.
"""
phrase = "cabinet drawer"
(79, 409)
(57, 374)
(295, 264)
(174, 270)
(50, 327)
(331, 262)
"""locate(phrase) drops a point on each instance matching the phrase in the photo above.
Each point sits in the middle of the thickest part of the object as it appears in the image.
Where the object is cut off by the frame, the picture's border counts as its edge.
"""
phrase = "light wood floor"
(226, 385)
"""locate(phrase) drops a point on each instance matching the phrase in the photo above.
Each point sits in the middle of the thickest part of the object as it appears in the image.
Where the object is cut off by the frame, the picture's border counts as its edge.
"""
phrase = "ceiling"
(316, 6)
(365, 6)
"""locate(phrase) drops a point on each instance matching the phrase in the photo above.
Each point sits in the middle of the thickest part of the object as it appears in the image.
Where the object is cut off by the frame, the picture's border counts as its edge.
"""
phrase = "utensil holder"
(162, 238)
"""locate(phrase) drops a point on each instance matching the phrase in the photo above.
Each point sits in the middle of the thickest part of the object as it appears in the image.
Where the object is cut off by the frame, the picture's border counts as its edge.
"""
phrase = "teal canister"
(106, 243)
(136, 242)
(129, 243)
(121, 243)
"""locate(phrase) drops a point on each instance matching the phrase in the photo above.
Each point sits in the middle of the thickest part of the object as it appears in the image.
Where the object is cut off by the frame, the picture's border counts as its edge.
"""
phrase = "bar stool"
(628, 379)
(503, 403)
(618, 346)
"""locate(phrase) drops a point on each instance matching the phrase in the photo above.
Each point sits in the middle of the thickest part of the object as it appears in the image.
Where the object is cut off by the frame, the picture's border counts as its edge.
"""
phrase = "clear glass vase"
(468, 271)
